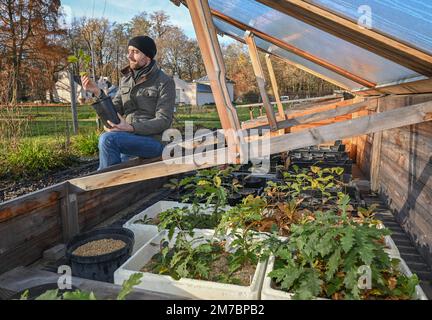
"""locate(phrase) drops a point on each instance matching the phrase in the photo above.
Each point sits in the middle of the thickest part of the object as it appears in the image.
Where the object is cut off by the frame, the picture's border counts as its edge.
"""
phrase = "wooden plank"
(298, 112)
(214, 65)
(418, 199)
(274, 86)
(288, 47)
(369, 124)
(114, 200)
(69, 214)
(369, 39)
(376, 156)
(304, 110)
(29, 251)
(260, 78)
(306, 100)
(332, 113)
(152, 170)
(26, 204)
(407, 162)
(410, 87)
(28, 228)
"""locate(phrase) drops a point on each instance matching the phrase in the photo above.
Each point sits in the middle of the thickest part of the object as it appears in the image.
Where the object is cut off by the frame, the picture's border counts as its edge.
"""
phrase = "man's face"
(136, 58)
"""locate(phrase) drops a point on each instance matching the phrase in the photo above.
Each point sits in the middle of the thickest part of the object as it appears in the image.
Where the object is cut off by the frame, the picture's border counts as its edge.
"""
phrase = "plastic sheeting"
(321, 44)
(231, 30)
(409, 21)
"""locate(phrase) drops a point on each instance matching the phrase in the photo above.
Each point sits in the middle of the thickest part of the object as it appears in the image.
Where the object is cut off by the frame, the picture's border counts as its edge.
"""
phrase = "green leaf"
(367, 253)
(128, 285)
(347, 240)
(310, 286)
(25, 295)
(72, 59)
(333, 264)
(49, 295)
(79, 295)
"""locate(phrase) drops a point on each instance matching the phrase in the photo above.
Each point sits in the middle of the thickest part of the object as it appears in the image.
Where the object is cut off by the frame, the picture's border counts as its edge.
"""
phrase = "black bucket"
(102, 267)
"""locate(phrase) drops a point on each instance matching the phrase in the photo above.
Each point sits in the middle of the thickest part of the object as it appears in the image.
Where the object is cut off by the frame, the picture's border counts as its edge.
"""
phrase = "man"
(145, 105)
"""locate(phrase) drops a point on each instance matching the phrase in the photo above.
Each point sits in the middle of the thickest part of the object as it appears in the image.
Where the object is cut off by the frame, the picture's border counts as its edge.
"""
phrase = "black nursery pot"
(106, 111)
(234, 199)
(102, 267)
(254, 182)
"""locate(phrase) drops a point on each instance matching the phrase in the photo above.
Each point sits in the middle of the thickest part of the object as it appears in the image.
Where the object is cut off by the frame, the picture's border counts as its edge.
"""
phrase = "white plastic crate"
(268, 293)
(188, 288)
(145, 232)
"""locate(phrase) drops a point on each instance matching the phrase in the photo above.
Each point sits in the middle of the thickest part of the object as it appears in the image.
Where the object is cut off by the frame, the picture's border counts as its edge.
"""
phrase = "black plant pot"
(106, 111)
(254, 182)
(234, 199)
(102, 267)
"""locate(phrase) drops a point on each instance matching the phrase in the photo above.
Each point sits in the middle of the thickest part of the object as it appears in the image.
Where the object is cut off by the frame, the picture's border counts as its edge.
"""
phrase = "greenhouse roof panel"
(321, 44)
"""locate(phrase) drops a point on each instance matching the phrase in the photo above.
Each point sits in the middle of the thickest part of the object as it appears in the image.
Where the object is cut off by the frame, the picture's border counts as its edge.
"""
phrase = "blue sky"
(124, 10)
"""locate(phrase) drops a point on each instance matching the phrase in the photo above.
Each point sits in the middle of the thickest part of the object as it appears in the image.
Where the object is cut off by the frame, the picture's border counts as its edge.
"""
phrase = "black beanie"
(145, 44)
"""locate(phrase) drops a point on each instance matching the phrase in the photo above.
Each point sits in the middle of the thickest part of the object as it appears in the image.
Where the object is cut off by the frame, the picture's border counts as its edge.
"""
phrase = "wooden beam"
(69, 213)
(346, 29)
(259, 74)
(309, 109)
(376, 156)
(26, 204)
(299, 111)
(274, 86)
(152, 170)
(295, 50)
(399, 117)
(422, 86)
(213, 62)
(305, 100)
(329, 114)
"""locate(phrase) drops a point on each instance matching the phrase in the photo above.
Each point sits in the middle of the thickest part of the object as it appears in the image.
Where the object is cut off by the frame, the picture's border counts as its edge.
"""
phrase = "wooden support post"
(259, 74)
(213, 62)
(376, 156)
(73, 103)
(69, 213)
(275, 87)
(251, 113)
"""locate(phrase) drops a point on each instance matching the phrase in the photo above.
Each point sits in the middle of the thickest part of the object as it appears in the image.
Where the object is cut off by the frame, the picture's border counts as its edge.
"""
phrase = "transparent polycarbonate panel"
(231, 30)
(323, 45)
(407, 20)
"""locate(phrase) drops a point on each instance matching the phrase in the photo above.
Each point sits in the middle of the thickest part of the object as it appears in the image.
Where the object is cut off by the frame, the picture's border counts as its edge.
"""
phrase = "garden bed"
(11, 189)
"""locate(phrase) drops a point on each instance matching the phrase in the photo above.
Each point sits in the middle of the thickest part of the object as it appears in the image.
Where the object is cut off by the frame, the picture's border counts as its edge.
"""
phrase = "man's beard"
(135, 65)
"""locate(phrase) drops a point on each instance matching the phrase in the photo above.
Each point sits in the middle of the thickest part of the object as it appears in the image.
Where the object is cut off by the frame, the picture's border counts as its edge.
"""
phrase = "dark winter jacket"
(148, 102)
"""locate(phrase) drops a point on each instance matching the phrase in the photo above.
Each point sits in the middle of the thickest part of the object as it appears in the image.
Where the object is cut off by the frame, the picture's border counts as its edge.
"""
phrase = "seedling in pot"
(323, 255)
(83, 60)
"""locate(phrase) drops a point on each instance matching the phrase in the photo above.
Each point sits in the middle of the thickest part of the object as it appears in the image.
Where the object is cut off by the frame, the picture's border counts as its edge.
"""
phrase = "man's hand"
(90, 85)
(122, 126)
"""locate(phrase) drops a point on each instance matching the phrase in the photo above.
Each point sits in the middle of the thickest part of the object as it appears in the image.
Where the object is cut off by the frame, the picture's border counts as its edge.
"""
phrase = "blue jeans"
(116, 147)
